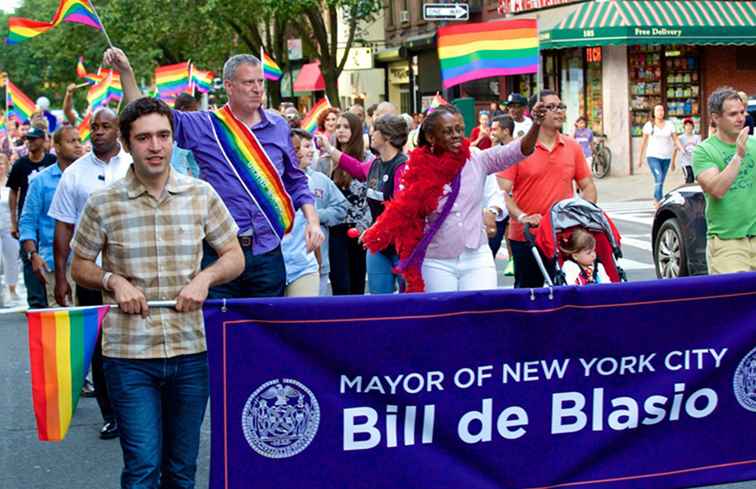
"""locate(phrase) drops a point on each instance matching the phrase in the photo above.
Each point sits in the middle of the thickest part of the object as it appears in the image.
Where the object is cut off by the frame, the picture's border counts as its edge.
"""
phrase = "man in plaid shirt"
(149, 227)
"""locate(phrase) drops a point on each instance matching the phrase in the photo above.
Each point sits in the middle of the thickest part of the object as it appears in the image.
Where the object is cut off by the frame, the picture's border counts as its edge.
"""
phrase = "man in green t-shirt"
(724, 166)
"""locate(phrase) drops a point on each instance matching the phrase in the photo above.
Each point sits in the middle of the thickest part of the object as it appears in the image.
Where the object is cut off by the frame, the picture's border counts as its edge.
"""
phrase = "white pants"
(10, 257)
(472, 270)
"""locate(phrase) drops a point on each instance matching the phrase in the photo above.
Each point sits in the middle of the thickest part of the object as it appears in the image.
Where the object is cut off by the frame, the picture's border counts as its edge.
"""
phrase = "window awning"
(309, 78)
(623, 22)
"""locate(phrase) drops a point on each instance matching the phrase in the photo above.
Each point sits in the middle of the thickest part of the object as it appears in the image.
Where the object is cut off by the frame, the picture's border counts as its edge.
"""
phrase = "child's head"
(580, 247)
(581, 122)
(688, 126)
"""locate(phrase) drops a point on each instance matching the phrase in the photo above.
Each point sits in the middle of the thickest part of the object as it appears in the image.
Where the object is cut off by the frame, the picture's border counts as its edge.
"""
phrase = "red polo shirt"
(545, 178)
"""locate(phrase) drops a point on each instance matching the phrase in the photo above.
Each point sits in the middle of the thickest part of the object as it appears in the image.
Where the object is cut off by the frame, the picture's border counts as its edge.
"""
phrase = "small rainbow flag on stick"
(61, 344)
(271, 70)
(482, 50)
(437, 102)
(97, 96)
(74, 11)
(202, 80)
(23, 106)
(81, 72)
(3, 129)
(85, 129)
(115, 89)
(310, 121)
(172, 79)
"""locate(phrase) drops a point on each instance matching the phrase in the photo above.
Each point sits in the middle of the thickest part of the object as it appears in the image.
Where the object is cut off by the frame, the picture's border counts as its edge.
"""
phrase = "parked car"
(678, 234)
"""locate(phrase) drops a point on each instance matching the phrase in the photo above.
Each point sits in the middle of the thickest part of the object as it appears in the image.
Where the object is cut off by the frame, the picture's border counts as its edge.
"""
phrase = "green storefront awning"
(629, 22)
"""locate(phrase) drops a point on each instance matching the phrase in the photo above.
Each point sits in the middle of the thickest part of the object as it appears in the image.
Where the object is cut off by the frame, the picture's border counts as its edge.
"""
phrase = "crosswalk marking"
(638, 212)
(627, 264)
(636, 243)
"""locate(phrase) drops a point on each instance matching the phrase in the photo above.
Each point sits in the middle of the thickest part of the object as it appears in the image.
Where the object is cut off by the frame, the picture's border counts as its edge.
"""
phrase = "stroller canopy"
(569, 213)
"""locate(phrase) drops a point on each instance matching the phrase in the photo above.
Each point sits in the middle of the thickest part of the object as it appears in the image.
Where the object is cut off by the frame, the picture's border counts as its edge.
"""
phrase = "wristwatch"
(30, 254)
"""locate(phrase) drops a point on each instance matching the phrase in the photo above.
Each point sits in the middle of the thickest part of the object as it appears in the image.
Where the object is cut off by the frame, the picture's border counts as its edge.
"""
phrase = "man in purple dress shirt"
(264, 273)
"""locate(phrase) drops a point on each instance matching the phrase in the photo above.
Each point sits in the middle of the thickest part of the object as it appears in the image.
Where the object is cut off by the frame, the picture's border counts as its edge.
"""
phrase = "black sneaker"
(109, 430)
(87, 390)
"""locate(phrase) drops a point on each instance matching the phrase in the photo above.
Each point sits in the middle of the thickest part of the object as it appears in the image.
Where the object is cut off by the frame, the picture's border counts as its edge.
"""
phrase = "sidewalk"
(634, 187)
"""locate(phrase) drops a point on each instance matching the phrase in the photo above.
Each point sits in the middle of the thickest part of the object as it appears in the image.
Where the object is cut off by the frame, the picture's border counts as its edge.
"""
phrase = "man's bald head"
(104, 114)
(104, 132)
(385, 108)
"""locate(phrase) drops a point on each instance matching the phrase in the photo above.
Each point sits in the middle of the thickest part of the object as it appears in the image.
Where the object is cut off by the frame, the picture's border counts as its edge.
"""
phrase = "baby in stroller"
(553, 240)
(580, 266)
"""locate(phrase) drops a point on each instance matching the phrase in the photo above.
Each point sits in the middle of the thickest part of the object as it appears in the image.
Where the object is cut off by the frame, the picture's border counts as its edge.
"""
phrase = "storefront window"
(682, 81)
(593, 98)
(668, 76)
(572, 87)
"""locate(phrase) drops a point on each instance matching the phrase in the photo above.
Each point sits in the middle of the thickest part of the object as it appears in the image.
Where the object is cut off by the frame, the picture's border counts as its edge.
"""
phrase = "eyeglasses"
(555, 107)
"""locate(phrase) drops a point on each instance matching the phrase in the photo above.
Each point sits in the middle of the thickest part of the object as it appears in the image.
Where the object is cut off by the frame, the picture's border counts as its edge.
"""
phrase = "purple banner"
(649, 384)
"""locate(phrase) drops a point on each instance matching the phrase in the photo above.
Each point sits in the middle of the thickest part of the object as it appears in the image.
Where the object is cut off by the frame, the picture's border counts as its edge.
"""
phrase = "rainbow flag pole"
(107, 37)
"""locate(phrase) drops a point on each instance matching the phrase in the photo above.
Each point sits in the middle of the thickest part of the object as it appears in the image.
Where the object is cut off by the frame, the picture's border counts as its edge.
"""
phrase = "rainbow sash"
(254, 169)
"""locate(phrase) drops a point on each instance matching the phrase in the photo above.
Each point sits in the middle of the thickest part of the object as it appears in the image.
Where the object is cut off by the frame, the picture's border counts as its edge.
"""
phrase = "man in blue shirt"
(37, 229)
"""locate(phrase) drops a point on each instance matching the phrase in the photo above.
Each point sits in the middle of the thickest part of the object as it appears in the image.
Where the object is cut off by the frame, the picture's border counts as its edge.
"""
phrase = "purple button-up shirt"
(463, 228)
(194, 131)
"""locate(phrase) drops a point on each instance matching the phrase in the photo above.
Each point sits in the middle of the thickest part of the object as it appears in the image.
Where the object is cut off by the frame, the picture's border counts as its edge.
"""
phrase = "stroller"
(557, 226)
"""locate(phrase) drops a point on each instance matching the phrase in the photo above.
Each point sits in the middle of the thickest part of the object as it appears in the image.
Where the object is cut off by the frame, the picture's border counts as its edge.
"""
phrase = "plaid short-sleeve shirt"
(157, 245)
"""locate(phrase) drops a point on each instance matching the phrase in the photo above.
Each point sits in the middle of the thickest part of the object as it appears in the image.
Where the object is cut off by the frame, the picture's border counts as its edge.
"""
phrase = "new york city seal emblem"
(280, 418)
(744, 382)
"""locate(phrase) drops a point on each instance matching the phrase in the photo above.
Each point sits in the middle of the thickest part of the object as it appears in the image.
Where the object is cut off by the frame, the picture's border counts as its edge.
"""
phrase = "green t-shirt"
(734, 215)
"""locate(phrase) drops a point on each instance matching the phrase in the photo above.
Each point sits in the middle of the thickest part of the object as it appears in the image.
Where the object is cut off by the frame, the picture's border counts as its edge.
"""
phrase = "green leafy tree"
(316, 22)
(169, 31)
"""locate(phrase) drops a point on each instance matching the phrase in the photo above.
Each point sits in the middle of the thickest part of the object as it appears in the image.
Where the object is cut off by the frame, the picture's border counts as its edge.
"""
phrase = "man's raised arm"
(119, 61)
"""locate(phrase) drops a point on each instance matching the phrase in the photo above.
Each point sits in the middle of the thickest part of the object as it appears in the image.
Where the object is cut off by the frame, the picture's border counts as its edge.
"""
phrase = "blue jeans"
(159, 406)
(263, 276)
(659, 168)
(36, 294)
(380, 273)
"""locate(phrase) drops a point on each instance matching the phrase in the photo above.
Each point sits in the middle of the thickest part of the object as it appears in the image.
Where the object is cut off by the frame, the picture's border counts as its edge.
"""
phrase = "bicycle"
(602, 156)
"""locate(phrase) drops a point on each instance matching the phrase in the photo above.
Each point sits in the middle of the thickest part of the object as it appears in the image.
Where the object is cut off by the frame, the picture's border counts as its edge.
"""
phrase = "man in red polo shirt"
(539, 182)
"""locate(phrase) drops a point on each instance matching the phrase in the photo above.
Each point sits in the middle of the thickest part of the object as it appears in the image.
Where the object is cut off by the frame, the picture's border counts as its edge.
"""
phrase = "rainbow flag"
(115, 89)
(74, 11)
(3, 129)
(310, 121)
(85, 129)
(61, 344)
(271, 70)
(172, 79)
(81, 72)
(437, 102)
(255, 170)
(483, 50)
(202, 80)
(22, 106)
(97, 96)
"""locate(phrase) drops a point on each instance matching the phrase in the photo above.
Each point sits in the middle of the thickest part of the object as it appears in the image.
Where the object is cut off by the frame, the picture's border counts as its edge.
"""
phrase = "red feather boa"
(403, 221)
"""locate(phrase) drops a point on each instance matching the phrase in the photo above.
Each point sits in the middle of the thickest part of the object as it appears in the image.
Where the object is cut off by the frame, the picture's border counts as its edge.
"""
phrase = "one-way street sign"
(446, 11)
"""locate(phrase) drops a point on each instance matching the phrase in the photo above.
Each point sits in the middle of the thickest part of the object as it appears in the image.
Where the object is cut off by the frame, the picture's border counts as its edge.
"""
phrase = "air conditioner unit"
(404, 17)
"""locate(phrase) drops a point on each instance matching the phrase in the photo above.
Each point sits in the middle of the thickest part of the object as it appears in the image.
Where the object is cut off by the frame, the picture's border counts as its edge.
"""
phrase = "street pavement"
(84, 461)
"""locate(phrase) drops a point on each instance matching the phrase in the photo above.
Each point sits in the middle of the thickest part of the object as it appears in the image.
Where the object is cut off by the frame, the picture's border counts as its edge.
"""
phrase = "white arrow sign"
(446, 11)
